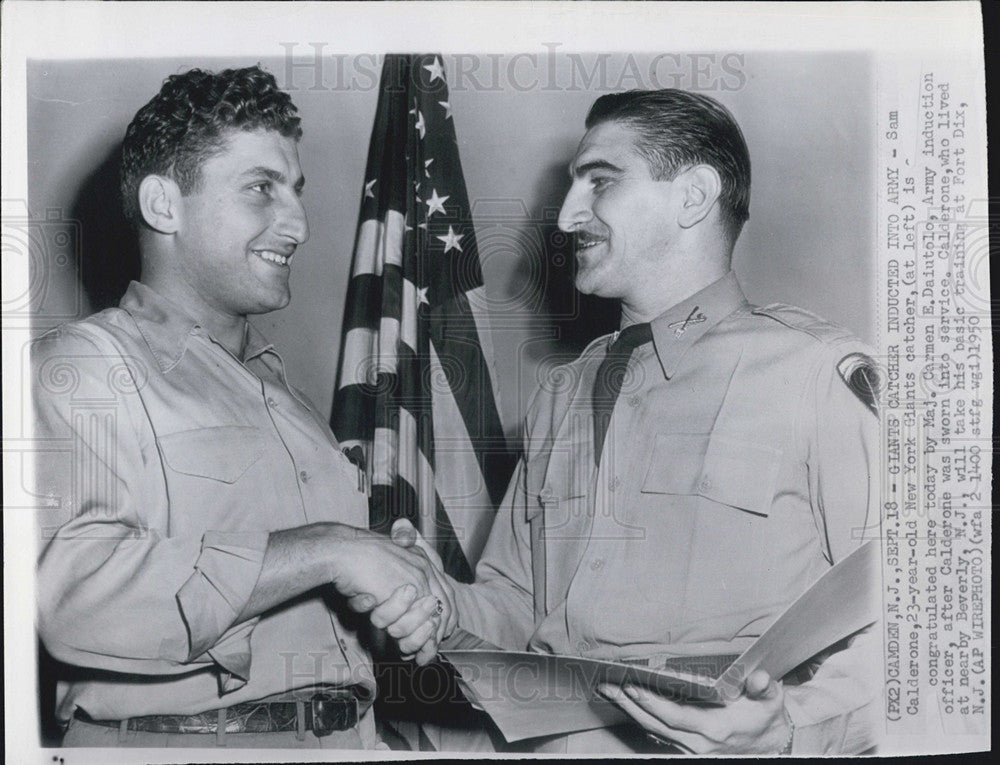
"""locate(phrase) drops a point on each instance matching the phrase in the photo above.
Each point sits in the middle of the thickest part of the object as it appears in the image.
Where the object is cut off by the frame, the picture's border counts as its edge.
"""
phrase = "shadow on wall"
(108, 260)
(574, 319)
(109, 249)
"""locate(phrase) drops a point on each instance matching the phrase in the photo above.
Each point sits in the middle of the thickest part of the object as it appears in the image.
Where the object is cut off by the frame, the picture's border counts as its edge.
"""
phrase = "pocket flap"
(223, 453)
(566, 474)
(725, 470)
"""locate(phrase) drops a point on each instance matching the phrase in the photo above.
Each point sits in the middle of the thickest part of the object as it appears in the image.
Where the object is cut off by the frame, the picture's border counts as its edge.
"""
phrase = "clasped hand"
(755, 723)
(400, 583)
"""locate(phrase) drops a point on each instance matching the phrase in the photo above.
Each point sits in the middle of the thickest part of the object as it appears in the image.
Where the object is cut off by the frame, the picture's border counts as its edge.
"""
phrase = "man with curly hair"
(206, 530)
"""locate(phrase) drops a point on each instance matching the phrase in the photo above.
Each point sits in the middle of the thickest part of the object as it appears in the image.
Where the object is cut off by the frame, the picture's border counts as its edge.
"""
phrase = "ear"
(701, 187)
(159, 203)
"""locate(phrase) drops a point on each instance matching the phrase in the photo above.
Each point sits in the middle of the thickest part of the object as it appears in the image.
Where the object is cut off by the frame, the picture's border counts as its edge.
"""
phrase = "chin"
(583, 284)
(271, 303)
(593, 287)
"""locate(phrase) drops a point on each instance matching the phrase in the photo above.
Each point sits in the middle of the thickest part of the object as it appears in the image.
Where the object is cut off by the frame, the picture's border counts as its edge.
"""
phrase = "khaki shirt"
(737, 468)
(166, 464)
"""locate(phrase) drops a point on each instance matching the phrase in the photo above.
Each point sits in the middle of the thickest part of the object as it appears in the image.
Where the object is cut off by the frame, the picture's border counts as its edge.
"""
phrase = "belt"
(323, 713)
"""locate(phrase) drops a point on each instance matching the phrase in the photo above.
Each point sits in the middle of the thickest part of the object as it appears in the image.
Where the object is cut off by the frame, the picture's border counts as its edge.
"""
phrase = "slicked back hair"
(677, 129)
(187, 121)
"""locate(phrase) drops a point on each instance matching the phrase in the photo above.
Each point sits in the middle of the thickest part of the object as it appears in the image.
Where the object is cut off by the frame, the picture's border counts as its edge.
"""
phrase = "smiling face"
(241, 225)
(620, 215)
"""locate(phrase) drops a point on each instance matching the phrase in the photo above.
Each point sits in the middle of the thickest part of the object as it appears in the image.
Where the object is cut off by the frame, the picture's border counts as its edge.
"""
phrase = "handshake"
(400, 582)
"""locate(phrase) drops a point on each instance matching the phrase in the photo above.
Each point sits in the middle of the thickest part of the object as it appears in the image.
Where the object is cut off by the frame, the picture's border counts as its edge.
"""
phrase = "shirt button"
(272, 403)
(597, 564)
(304, 476)
(634, 401)
(582, 646)
(343, 645)
(705, 484)
(614, 483)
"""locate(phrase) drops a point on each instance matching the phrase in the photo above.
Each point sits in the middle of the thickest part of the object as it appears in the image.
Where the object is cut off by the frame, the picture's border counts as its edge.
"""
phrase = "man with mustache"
(206, 528)
(687, 477)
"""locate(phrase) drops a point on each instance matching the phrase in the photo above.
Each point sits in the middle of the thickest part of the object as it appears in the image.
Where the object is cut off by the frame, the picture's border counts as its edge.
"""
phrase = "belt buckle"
(332, 712)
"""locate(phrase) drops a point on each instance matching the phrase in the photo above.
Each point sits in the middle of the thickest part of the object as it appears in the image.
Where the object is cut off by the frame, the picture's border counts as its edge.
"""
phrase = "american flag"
(415, 404)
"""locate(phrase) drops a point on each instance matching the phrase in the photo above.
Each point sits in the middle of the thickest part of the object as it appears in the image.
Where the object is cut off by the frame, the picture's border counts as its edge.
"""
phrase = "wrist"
(338, 543)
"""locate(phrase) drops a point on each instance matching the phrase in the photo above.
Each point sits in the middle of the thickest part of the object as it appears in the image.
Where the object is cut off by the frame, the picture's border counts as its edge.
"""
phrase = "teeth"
(274, 257)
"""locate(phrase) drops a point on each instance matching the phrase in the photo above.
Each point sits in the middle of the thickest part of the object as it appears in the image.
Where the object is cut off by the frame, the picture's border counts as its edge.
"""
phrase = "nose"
(292, 222)
(575, 208)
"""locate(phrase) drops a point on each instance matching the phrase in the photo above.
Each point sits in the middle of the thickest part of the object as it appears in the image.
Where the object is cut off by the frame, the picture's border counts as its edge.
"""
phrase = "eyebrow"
(597, 164)
(274, 175)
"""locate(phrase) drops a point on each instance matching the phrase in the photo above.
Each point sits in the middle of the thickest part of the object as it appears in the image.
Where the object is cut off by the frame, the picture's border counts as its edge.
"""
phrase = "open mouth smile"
(585, 241)
(274, 257)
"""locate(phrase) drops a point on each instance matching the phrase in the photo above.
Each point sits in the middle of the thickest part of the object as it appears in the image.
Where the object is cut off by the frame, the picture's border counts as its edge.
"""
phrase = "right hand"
(367, 568)
(394, 614)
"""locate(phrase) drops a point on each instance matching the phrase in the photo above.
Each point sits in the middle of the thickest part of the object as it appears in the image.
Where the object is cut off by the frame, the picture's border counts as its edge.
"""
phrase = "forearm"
(295, 561)
(497, 611)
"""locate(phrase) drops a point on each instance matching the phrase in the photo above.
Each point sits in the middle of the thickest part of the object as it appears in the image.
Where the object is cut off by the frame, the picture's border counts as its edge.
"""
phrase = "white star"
(414, 109)
(368, 188)
(451, 240)
(422, 225)
(436, 70)
(447, 109)
(420, 124)
(427, 164)
(422, 296)
(435, 203)
(416, 188)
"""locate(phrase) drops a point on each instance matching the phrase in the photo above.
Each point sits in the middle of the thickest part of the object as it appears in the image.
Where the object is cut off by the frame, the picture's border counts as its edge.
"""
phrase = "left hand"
(753, 724)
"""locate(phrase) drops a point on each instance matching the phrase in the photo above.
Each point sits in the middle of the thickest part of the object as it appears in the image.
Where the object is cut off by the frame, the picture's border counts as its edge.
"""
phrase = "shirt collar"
(166, 328)
(680, 327)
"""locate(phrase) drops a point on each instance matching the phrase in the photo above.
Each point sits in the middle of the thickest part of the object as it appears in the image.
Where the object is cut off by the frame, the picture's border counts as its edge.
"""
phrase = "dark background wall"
(810, 239)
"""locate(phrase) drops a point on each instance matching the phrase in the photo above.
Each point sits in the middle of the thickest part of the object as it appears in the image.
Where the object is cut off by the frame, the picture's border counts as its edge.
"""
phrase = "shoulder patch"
(804, 321)
(859, 373)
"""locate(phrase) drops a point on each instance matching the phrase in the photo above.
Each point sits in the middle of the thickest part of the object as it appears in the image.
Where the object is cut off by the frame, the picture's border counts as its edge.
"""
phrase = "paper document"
(532, 694)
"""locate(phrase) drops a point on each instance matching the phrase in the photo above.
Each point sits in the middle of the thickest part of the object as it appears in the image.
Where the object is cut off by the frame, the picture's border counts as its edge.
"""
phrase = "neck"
(689, 268)
(639, 311)
(227, 329)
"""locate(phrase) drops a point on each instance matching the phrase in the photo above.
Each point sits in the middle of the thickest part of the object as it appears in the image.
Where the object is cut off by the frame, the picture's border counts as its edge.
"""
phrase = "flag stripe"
(364, 302)
(379, 243)
(457, 341)
(415, 385)
(459, 481)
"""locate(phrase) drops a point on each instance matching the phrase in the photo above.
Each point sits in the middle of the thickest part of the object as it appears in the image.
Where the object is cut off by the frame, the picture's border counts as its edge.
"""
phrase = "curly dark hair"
(677, 129)
(186, 122)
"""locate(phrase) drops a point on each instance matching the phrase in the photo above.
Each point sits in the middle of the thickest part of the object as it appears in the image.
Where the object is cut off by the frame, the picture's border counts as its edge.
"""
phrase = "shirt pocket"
(221, 453)
(211, 483)
(557, 484)
(719, 490)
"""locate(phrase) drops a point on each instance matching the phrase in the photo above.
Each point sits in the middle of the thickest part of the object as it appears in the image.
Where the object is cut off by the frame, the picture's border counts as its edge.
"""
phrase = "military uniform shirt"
(168, 461)
(738, 467)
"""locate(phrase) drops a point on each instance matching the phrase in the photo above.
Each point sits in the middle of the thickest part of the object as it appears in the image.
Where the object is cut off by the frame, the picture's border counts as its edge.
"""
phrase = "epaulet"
(804, 321)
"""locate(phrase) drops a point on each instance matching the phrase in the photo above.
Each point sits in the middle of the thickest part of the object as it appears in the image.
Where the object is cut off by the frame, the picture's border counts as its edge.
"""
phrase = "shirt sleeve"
(115, 590)
(836, 711)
